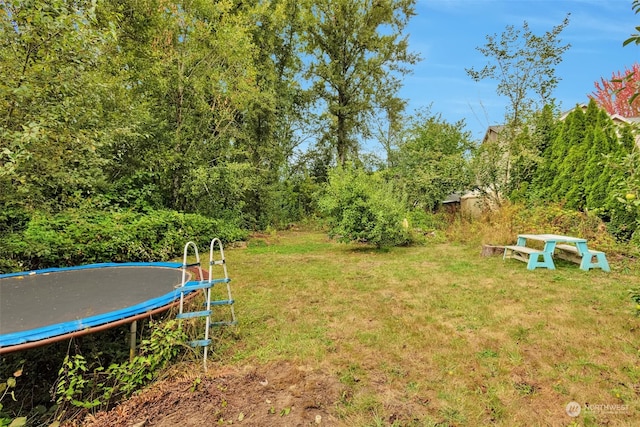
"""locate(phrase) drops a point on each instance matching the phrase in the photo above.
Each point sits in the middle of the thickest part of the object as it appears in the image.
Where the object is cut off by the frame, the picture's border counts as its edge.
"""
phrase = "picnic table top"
(552, 238)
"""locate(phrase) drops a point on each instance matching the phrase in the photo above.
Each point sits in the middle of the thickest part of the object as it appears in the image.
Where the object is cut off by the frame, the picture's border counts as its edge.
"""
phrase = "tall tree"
(523, 64)
(191, 67)
(582, 166)
(617, 94)
(356, 55)
(272, 123)
(51, 102)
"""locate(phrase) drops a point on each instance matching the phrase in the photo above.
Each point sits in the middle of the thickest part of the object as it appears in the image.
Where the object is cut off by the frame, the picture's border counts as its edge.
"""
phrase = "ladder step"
(225, 323)
(218, 262)
(204, 284)
(191, 286)
(199, 343)
(190, 265)
(192, 314)
(222, 302)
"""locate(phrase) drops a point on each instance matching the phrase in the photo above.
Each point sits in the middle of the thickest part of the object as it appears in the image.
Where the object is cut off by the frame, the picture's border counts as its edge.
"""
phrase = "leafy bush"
(622, 224)
(77, 236)
(362, 207)
(428, 221)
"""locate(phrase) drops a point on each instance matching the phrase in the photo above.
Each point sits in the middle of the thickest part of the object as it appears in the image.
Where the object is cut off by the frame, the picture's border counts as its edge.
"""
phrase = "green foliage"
(586, 167)
(361, 207)
(523, 64)
(166, 342)
(627, 190)
(188, 106)
(432, 161)
(527, 149)
(427, 221)
(81, 385)
(72, 382)
(557, 219)
(79, 236)
(8, 388)
(356, 57)
(622, 223)
(635, 38)
(510, 158)
(51, 124)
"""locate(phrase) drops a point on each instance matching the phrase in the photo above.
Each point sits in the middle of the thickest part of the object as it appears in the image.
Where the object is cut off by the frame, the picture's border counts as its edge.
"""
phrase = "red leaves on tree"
(619, 95)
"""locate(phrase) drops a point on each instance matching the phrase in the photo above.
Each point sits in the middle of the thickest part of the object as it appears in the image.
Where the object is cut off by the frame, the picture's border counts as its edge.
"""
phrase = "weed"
(525, 388)
(487, 354)
(8, 388)
(452, 416)
(351, 376)
(83, 386)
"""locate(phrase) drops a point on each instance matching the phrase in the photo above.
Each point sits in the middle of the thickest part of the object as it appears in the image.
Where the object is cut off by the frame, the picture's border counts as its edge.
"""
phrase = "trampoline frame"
(22, 340)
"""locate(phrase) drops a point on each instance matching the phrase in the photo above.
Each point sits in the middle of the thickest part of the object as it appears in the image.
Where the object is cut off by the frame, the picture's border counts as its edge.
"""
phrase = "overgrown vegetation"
(195, 109)
(7, 389)
(69, 379)
(90, 385)
(80, 236)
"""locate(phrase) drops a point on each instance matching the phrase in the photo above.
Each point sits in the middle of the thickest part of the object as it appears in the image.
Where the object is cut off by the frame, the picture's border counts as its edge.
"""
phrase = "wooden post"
(132, 340)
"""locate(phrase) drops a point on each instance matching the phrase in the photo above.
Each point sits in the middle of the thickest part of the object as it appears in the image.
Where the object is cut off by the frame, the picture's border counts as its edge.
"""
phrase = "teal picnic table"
(536, 258)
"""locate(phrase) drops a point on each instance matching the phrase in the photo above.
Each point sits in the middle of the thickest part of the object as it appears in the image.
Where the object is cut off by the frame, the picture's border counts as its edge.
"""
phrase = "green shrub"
(78, 236)
(556, 219)
(361, 207)
(85, 384)
(622, 224)
(427, 221)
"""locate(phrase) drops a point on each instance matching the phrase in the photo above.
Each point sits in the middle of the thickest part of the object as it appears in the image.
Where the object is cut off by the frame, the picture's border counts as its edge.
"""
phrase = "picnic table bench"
(570, 248)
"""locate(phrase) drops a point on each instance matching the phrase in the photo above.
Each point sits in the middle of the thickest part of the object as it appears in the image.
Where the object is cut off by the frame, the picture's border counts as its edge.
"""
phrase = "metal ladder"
(206, 285)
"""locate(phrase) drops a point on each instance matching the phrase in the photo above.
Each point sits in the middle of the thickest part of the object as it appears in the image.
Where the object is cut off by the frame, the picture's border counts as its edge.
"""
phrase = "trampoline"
(43, 306)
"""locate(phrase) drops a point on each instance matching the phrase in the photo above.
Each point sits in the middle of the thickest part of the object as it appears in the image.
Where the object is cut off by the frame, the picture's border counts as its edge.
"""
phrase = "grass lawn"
(438, 334)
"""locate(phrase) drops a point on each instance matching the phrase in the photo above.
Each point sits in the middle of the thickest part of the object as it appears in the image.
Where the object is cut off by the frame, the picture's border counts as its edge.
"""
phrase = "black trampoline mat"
(34, 301)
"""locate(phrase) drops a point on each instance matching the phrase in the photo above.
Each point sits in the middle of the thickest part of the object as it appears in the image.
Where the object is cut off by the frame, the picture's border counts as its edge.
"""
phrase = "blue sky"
(446, 33)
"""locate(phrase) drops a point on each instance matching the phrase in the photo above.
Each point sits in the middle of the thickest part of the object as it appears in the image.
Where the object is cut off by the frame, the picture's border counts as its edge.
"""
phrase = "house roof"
(492, 130)
(614, 117)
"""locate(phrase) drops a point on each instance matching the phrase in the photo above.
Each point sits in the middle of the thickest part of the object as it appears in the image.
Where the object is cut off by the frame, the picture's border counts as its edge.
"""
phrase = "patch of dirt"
(279, 394)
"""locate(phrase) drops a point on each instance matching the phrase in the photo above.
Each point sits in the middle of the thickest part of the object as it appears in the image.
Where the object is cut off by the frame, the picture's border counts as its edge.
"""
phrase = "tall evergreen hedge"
(579, 167)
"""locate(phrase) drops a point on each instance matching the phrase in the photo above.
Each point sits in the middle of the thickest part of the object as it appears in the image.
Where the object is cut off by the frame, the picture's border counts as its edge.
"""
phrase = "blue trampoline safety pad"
(42, 304)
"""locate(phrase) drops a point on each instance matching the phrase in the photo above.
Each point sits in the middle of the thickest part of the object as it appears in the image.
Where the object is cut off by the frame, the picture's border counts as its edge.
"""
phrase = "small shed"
(471, 204)
(451, 203)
